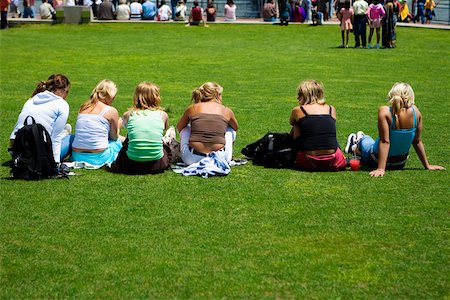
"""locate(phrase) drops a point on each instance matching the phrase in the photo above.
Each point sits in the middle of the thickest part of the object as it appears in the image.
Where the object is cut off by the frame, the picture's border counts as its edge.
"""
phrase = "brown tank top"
(208, 128)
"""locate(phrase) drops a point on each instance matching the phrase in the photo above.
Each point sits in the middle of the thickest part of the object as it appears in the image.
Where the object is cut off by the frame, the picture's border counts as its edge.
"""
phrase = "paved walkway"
(13, 21)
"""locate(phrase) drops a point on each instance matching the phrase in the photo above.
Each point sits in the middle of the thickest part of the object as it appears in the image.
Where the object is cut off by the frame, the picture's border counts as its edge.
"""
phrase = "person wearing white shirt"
(135, 10)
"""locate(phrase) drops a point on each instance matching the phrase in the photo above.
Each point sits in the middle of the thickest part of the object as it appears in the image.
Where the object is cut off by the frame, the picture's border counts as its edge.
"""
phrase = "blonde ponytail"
(104, 91)
(196, 95)
(397, 105)
(401, 96)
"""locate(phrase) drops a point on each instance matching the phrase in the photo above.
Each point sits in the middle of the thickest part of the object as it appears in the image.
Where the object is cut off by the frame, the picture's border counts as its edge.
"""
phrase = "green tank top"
(145, 132)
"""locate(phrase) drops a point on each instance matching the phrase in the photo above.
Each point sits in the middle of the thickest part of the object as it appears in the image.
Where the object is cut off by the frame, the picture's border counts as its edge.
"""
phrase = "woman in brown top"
(207, 126)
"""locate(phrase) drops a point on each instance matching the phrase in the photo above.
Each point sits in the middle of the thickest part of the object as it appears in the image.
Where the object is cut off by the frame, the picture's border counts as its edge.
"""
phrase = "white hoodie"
(49, 110)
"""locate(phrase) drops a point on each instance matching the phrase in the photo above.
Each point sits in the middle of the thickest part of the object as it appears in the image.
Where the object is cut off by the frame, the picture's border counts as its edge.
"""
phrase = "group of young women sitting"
(207, 126)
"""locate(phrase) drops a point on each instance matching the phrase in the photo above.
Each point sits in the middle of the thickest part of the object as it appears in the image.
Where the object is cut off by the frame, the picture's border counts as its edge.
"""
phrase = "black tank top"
(316, 132)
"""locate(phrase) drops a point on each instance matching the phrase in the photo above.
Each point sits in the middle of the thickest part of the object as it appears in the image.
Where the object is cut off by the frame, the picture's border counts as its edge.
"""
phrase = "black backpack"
(32, 153)
(274, 150)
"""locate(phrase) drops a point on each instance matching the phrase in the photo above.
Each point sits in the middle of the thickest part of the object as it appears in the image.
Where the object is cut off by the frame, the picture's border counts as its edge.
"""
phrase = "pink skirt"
(329, 162)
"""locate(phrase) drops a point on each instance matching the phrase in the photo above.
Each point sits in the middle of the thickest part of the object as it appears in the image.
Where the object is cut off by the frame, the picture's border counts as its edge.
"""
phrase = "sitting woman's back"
(97, 129)
(314, 131)
(399, 127)
(212, 125)
(143, 151)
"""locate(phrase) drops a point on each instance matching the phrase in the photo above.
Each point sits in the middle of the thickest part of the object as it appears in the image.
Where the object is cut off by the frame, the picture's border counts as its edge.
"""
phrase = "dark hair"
(195, 3)
(230, 2)
(163, 2)
(54, 82)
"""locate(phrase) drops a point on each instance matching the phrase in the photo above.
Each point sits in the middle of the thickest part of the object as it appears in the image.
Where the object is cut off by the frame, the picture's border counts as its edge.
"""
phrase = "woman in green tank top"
(143, 151)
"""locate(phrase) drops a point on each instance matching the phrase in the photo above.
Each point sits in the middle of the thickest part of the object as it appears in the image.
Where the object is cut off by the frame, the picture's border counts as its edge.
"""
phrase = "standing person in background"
(429, 10)
(48, 106)
(389, 35)
(346, 23)
(148, 10)
(230, 11)
(28, 9)
(4, 13)
(135, 10)
(360, 20)
(322, 7)
(330, 9)
(420, 16)
(173, 6)
(14, 9)
(375, 14)
(196, 16)
(105, 11)
(306, 4)
(164, 12)
(285, 12)
(211, 11)
(269, 12)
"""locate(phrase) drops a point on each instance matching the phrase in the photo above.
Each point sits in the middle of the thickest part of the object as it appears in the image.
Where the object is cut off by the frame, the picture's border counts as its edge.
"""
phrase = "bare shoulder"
(164, 115)
(384, 111)
(296, 111)
(418, 113)
(126, 115)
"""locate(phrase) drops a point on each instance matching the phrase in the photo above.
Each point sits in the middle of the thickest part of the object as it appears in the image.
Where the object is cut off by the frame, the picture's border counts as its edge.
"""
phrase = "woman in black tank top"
(314, 131)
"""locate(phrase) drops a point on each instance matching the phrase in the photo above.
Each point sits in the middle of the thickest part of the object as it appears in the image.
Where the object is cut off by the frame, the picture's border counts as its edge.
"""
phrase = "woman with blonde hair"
(97, 140)
(143, 151)
(207, 126)
(399, 127)
(314, 131)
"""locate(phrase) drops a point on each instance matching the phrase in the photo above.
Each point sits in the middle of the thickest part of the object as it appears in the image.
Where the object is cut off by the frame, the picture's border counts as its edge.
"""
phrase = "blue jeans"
(369, 155)
(28, 12)
(66, 146)
(420, 12)
(360, 30)
(272, 19)
(365, 145)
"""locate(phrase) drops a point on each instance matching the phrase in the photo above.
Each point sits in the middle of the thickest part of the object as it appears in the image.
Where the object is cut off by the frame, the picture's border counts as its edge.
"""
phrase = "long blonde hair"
(146, 96)
(209, 91)
(401, 96)
(311, 92)
(105, 90)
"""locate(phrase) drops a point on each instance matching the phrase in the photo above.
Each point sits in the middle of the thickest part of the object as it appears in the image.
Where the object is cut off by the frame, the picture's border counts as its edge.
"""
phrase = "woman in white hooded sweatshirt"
(48, 107)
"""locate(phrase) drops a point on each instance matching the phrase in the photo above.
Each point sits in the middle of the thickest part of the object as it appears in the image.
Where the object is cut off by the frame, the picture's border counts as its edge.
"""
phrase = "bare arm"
(294, 116)
(165, 119)
(113, 117)
(420, 148)
(232, 122)
(125, 118)
(184, 120)
(383, 147)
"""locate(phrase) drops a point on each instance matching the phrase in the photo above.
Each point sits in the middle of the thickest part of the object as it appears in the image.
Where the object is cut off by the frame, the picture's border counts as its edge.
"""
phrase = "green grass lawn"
(257, 233)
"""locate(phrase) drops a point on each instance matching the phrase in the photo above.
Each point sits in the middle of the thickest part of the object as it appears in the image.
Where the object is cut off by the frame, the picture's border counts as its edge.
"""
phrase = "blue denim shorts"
(369, 157)
(366, 146)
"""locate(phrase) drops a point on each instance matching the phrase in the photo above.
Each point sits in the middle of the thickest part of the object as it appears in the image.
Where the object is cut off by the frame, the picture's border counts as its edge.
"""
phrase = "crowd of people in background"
(310, 11)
